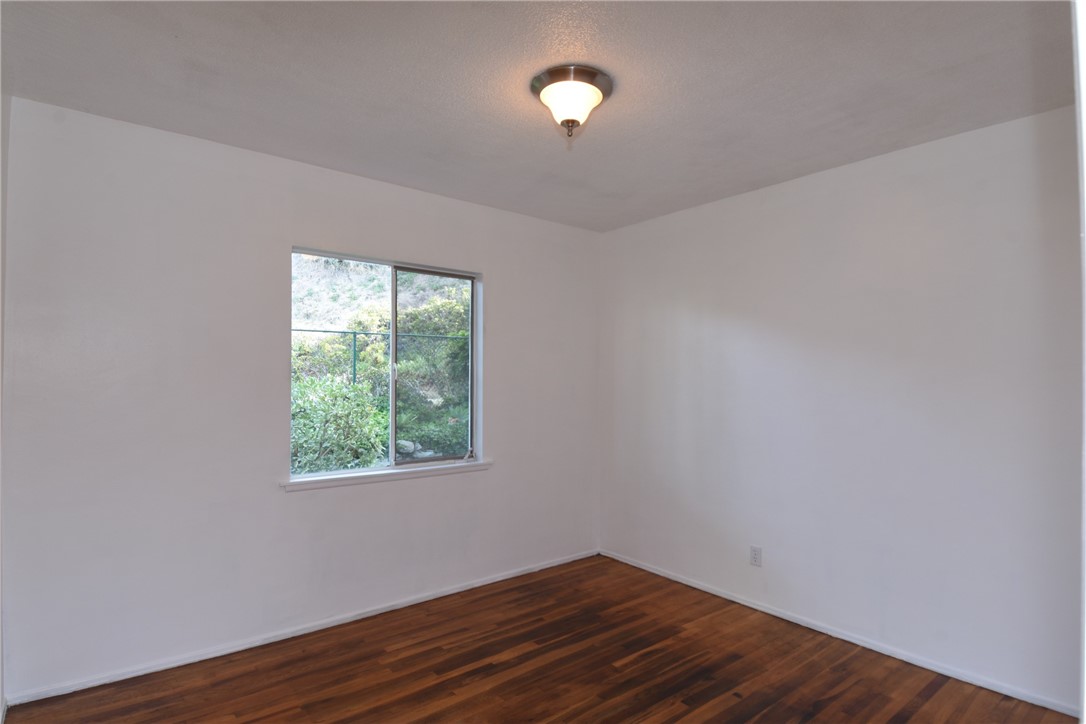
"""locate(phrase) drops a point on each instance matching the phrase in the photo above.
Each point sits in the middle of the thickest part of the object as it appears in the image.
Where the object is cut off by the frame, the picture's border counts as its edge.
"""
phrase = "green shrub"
(445, 437)
(335, 425)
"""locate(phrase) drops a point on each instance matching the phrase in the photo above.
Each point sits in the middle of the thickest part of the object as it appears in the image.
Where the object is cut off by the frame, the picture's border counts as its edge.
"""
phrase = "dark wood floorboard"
(590, 641)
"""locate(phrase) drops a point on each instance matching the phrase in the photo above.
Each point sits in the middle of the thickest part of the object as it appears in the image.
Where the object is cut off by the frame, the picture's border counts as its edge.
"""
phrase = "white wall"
(5, 123)
(146, 402)
(874, 373)
(1080, 91)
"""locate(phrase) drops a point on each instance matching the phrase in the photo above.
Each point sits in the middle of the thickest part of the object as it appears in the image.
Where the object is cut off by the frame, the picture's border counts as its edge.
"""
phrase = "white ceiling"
(711, 99)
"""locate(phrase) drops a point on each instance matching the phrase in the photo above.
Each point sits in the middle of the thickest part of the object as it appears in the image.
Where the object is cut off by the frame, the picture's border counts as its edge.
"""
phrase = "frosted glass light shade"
(570, 100)
(571, 92)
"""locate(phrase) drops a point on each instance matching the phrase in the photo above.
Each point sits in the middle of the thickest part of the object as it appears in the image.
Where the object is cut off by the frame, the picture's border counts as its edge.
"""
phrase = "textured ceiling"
(710, 100)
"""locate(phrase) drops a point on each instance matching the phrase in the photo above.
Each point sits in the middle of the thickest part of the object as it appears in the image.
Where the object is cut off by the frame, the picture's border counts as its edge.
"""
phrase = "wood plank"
(593, 640)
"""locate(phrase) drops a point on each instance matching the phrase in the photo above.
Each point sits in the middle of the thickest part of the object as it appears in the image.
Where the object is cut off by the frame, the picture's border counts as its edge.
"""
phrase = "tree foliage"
(340, 411)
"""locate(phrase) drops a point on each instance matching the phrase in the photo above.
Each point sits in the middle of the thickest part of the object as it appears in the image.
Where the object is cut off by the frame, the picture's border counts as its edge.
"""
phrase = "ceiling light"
(571, 92)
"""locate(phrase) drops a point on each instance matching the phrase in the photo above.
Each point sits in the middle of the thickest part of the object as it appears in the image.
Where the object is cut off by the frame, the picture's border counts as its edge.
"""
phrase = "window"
(382, 365)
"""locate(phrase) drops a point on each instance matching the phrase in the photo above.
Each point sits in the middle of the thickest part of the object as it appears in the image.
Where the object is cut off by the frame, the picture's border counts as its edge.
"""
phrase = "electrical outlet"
(756, 556)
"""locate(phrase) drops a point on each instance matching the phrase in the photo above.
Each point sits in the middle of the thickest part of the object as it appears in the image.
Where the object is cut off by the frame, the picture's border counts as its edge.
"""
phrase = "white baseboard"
(966, 676)
(23, 697)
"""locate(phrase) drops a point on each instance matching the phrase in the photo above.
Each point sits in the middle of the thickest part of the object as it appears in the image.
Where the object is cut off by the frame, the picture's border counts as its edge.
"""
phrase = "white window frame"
(474, 461)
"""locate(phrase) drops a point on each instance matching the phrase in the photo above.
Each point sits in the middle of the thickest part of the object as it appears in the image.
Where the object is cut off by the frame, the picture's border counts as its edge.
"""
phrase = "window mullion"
(471, 375)
(393, 348)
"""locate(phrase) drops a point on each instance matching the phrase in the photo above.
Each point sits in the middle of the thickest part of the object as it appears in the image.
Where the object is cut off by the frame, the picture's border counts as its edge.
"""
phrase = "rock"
(405, 446)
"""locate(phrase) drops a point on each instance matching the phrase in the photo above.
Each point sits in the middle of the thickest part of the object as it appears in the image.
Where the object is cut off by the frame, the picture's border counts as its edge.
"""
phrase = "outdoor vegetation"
(341, 367)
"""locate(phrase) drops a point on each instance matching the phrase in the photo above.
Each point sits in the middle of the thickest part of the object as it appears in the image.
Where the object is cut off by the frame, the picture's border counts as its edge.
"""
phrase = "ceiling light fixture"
(571, 92)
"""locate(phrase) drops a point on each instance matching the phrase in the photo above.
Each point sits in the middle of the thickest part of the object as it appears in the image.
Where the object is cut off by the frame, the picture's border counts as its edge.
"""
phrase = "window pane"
(339, 392)
(433, 366)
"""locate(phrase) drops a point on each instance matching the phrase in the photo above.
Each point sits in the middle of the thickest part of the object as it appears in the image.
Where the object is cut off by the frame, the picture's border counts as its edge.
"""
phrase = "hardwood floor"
(594, 640)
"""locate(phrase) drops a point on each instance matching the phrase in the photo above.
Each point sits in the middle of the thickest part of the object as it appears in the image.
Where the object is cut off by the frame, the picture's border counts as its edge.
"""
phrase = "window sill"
(360, 477)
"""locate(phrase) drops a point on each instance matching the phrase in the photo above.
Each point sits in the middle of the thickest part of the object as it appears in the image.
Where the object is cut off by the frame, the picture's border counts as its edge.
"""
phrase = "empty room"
(541, 361)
